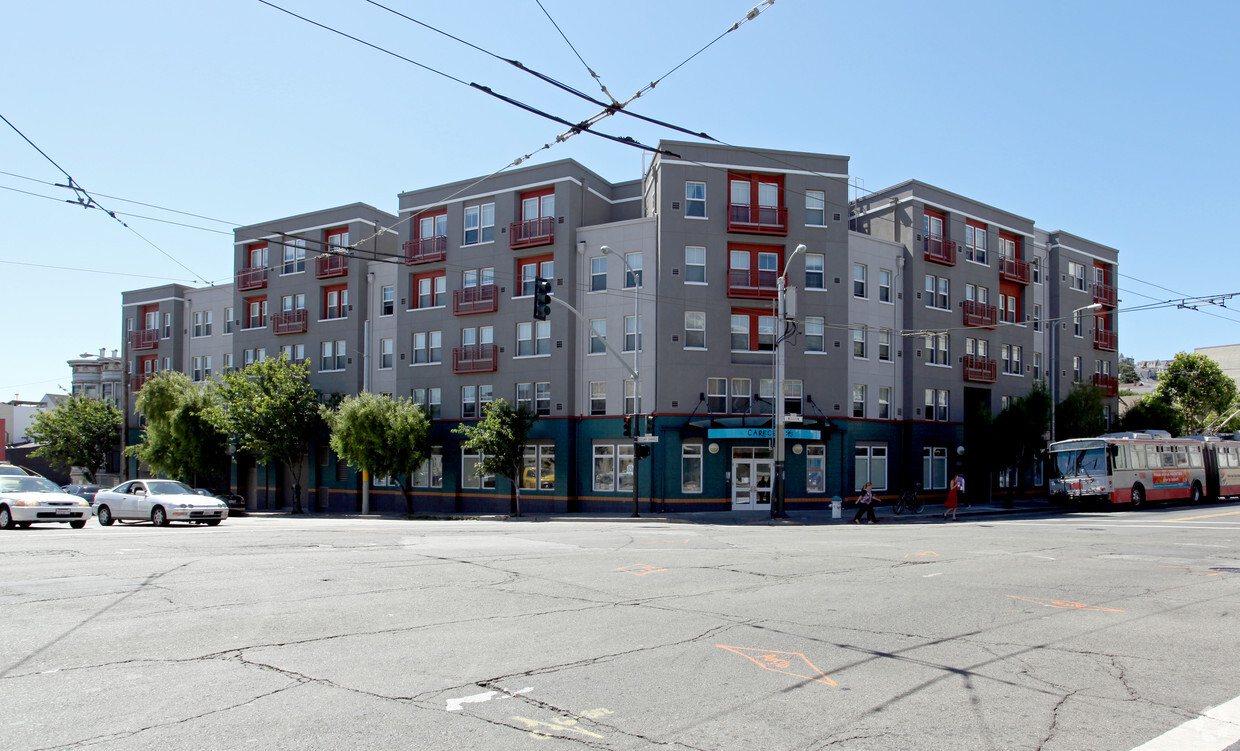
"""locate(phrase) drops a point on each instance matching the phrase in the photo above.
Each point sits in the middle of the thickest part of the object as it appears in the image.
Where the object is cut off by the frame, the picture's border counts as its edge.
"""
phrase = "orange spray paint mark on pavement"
(782, 662)
(640, 569)
(1066, 604)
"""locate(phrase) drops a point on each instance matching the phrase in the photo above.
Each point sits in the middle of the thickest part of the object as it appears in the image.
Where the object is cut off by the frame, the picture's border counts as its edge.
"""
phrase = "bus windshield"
(1077, 462)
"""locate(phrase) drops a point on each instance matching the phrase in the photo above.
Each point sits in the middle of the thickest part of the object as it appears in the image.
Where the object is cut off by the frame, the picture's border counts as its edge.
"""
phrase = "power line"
(584, 64)
(118, 213)
(99, 271)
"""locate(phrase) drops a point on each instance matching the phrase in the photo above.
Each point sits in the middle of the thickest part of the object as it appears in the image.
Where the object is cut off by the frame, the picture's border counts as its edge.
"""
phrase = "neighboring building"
(918, 312)
(1150, 370)
(99, 376)
(18, 414)
(1227, 356)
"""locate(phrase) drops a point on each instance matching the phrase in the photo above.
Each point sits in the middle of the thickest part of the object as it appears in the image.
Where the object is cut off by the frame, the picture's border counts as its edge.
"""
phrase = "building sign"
(805, 435)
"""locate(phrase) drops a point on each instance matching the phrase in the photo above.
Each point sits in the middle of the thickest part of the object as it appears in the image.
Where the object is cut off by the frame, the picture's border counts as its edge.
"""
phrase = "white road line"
(1214, 730)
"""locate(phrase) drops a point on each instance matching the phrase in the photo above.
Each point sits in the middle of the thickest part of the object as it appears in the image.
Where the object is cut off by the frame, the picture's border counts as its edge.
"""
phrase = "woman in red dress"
(951, 502)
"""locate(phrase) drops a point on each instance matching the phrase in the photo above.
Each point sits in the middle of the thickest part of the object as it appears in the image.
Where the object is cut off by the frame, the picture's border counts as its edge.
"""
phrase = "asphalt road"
(1042, 631)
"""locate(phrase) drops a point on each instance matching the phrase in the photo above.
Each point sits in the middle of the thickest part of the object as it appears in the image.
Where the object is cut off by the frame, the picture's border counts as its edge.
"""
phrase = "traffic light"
(542, 298)
(643, 450)
(628, 426)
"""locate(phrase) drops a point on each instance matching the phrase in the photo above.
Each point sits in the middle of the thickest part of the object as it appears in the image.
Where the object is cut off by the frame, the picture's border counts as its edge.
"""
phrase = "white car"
(159, 502)
(29, 499)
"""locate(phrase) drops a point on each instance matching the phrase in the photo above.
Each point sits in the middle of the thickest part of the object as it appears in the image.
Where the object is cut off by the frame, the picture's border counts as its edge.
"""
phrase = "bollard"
(837, 507)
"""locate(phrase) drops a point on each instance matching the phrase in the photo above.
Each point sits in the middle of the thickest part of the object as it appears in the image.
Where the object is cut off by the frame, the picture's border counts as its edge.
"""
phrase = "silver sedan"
(159, 502)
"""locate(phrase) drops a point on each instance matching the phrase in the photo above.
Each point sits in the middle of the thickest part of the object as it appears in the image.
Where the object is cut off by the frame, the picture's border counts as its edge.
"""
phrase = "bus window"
(1136, 453)
(1181, 456)
(1166, 458)
(1194, 457)
(1077, 462)
(1119, 455)
(1151, 456)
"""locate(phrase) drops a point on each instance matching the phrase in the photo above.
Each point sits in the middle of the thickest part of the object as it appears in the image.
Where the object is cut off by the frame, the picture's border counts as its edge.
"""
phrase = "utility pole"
(781, 322)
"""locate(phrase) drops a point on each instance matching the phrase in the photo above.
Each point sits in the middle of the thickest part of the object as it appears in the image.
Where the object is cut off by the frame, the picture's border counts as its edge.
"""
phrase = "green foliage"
(78, 433)
(1197, 387)
(500, 436)
(180, 441)
(271, 410)
(382, 435)
(1151, 412)
(1081, 414)
(1128, 373)
(1019, 432)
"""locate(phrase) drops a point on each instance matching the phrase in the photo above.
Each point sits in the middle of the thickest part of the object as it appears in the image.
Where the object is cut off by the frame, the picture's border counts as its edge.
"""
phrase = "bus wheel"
(1138, 496)
(1195, 496)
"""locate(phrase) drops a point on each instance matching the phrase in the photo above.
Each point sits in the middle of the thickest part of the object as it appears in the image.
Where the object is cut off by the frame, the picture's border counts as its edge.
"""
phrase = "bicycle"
(909, 501)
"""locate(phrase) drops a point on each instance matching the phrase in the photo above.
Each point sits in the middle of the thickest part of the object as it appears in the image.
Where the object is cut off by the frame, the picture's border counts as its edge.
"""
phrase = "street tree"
(1019, 432)
(78, 433)
(270, 410)
(180, 440)
(381, 435)
(1081, 414)
(1151, 412)
(1128, 372)
(500, 438)
(1197, 387)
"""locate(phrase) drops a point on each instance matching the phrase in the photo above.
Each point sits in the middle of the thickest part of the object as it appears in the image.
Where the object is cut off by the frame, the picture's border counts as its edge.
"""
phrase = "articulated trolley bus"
(1136, 468)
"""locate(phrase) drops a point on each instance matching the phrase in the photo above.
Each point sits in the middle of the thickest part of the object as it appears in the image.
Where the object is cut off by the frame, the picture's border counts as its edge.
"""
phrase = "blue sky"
(1113, 121)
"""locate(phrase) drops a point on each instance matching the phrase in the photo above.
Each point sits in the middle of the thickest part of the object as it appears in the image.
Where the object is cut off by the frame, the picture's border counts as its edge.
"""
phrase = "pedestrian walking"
(865, 505)
(952, 498)
(961, 495)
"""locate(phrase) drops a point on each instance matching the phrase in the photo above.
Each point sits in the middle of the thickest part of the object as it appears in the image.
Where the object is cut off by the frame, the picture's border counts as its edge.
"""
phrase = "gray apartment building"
(911, 313)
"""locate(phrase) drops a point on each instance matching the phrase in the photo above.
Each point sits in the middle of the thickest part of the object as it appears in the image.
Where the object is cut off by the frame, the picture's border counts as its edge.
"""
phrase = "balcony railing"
(331, 264)
(1014, 270)
(759, 285)
(940, 250)
(426, 249)
(980, 369)
(1107, 340)
(144, 339)
(290, 322)
(1108, 383)
(475, 300)
(979, 314)
(1105, 294)
(476, 358)
(531, 232)
(255, 278)
(137, 381)
(757, 220)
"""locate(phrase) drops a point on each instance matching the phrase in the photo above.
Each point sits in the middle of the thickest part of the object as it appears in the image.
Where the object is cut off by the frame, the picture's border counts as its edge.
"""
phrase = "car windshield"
(1077, 462)
(24, 484)
(11, 470)
(168, 487)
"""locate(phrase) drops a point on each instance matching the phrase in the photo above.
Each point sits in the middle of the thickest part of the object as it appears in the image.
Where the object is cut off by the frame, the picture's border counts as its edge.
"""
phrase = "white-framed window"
(937, 405)
(387, 300)
(533, 338)
(598, 397)
(1014, 363)
(717, 395)
(870, 465)
(289, 303)
(884, 285)
(525, 396)
(884, 345)
(632, 270)
(978, 347)
(858, 337)
(975, 243)
(294, 257)
(1076, 274)
(479, 224)
(294, 352)
(1037, 317)
(542, 398)
(430, 400)
(977, 294)
(884, 402)
(336, 302)
(858, 400)
(469, 465)
(228, 320)
(385, 354)
(742, 396)
(816, 468)
(630, 396)
(938, 292)
(1077, 329)
(934, 467)
(529, 269)
(1037, 366)
(1005, 401)
(859, 276)
(815, 334)
(469, 402)
(816, 208)
(167, 325)
(538, 467)
(691, 468)
(695, 329)
(598, 274)
(427, 347)
(695, 264)
(227, 363)
(598, 332)
(195, 368)
(471, 335)
(604, 468)
(1035, 270)
(632, 333)
(938, 349)
(695, 199)
(815, 271)
(333, 355)
(429, 473)
(793, 389)
(766, 396)
(1007, 308)
(1076, 369)
(430, 289)
(202, 323)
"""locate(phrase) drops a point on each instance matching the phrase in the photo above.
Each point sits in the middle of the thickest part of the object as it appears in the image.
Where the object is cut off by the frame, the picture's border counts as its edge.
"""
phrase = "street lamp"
(1054, 357)
(637, 341)
(777, 508)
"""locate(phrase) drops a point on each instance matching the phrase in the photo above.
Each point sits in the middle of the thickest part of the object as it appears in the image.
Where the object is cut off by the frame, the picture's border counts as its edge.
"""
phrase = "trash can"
(837, 507)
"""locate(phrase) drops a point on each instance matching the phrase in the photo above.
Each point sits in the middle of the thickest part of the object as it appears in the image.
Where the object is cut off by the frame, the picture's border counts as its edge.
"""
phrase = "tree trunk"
(404, 489)
(515, 505)
(296, 473)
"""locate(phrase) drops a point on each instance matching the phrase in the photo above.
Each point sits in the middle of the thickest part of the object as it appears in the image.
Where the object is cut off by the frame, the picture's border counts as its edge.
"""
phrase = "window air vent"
(675, 272)
(559, 344)
(837, 345)
(675, 205)
(560, 220)
(835, 217)
(559, 406)
(675, 404)
(837, 408)
(837, 280)
(675, 337)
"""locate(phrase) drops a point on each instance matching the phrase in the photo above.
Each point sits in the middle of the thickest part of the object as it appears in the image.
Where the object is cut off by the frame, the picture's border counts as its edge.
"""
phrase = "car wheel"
(1195, 495)
(1138, 496)
(78, 524)
(213, 522)
(6, 518)
(105, 516)
(159, 517)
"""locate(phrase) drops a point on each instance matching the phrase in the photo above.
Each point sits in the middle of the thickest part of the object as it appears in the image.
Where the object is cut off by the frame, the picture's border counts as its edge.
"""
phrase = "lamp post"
(1055, 360)
(637, 342)
(777, 508)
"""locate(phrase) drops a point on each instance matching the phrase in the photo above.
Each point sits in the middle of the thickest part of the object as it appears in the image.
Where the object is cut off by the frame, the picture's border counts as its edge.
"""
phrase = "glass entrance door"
(752, 472)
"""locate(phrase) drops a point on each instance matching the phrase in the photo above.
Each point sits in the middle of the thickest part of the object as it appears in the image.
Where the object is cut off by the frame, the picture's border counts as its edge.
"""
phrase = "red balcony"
(290, 322)
(426, 250)
(1108, 340)
(475, 300)
(531, 232)
(476, 358)
(758, 285)
(980, 369)
(1014, 270)
(1108, 383)
(978, 314)
(940, 250)
(331, 264)
(137, 381)
(757, 220)
(255, 278)
(1105, 294)
(144, 339)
